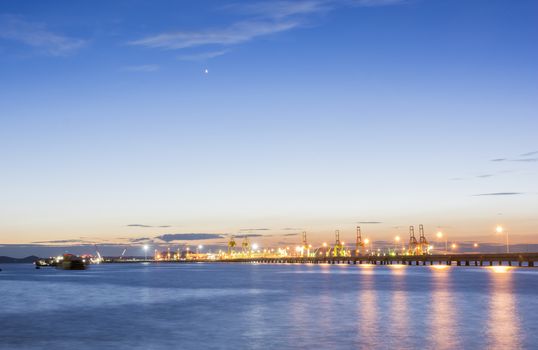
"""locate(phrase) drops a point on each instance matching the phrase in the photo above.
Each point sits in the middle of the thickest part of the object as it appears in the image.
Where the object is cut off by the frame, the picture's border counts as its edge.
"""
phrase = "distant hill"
(10, 260)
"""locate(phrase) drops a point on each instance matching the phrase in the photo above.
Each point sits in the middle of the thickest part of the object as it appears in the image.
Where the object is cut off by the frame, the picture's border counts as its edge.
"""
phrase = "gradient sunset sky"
(124, 120)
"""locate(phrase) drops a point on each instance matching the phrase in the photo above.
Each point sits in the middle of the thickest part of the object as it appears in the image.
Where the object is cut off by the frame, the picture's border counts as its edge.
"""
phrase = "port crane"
(246, 245)
(413, 244)
(424, 246)
(231, 245)
(359, 243)
(306, 248)
(338, 249)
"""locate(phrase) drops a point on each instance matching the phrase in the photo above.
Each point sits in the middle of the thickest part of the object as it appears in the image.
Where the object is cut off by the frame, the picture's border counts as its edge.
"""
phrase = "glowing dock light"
(475, 245)
(255, 246)
(439, 234)
(146, 247)
(324, 244)
(500, 230)
(454, 246)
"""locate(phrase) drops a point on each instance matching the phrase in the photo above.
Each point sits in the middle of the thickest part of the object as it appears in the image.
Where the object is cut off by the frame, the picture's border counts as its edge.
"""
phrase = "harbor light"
(200, 246)
(454, 245)
(324, 244)
(397, 238)
(366, 241)
(146, 247)
(439, 234)
(500, 230)
(254, 246)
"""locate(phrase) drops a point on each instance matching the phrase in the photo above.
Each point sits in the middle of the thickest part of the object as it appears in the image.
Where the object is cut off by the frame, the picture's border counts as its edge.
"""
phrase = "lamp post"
(146, 247)
(396, 241)
(500, 230)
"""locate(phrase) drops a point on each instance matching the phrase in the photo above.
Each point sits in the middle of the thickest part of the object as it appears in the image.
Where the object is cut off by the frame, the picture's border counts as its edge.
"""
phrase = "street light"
(500, 230)
(396, 240)
(146, 247)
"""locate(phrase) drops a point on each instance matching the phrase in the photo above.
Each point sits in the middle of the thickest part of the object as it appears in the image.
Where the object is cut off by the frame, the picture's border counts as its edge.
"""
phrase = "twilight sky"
(122, 120)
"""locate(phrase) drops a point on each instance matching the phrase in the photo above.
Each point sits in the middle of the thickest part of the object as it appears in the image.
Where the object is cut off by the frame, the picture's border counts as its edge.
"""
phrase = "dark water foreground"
(245, 306)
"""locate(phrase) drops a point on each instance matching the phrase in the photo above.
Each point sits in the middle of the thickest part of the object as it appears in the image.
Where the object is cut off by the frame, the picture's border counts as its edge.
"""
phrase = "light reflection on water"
(503, 322)
(443, 320)
(220, 306)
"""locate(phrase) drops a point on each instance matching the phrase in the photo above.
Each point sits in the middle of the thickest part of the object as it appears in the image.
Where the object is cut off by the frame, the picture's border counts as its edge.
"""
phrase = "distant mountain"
(10, 260)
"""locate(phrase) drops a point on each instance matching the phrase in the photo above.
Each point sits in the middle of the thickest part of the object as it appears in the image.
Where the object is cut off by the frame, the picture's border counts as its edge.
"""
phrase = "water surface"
(254, 306)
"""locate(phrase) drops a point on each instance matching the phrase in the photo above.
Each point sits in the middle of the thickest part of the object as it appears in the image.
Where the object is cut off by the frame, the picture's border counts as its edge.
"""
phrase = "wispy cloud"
(259, 19)
(145, 68)
(498, 194)
(484, 176)
(525, 160)
(528, 154)
(142, 239)
(61, 241)
(202, 55)
(38, 36)
(290, 234)
(169, 237)
(144, 226)
(254, 229)
(282, 9)
(234, 34)
(369, 222)
(250, 235)
(523, 157)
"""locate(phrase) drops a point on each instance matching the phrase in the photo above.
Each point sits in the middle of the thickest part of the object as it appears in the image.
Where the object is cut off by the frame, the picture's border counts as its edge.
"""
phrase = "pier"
(475, 259)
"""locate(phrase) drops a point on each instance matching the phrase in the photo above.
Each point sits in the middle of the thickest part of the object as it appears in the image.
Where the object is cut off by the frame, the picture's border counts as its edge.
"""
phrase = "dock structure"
(471, 259)
(507, 259)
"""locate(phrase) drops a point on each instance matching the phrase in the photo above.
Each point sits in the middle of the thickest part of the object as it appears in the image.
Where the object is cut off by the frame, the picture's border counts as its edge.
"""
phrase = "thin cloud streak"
(169, 237)
(529, 154)
(38, 36)
(282, 9)
(264, 19)
(235, 34)
(203, 55)
(498, 194)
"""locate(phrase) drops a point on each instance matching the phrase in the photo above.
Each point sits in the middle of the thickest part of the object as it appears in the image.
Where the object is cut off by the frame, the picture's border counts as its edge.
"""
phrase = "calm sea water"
(243, 306)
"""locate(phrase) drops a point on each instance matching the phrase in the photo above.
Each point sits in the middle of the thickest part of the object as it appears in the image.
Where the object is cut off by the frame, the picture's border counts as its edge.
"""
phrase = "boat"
(71, 262)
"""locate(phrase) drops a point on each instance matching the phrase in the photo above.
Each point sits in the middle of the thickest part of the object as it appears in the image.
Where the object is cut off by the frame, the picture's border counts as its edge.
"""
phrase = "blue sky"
(312, 115)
